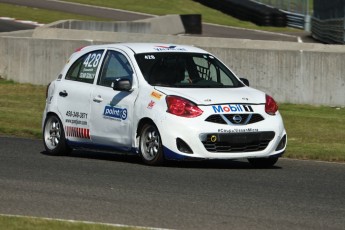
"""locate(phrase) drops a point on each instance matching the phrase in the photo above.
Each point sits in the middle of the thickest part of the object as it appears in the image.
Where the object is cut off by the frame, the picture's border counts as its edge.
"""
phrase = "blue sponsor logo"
(232, 108)
(115, 113)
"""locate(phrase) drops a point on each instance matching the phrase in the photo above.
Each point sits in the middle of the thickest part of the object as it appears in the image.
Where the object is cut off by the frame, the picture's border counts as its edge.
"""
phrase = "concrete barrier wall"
(104, 36)
(129, 27)
(167, 24)
(290, 72)
(302, 77)
(36, 61)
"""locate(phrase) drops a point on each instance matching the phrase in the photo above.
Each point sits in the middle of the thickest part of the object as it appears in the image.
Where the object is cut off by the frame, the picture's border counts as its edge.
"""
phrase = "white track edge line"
(83, 222)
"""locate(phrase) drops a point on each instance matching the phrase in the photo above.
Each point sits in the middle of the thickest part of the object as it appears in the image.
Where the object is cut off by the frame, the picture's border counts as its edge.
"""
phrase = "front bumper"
(206, 140)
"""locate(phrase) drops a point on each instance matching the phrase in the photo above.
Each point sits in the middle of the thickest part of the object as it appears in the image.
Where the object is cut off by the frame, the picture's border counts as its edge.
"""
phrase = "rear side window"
(85, 68)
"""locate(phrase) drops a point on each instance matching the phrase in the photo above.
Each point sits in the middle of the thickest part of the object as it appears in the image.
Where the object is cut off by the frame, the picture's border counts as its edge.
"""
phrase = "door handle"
(98, 99)
(63, 93)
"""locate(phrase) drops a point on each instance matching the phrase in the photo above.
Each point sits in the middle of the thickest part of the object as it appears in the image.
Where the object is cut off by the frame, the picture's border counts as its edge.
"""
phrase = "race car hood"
(211, 96)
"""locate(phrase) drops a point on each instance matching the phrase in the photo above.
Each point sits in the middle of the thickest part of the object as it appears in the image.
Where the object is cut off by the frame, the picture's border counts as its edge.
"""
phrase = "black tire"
(150, 145)
(54, 137)
(263, 162)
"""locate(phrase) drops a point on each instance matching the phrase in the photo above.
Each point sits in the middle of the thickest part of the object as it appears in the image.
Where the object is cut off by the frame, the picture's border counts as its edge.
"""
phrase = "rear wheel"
(151, 149)
(54, 137)
(263, 162)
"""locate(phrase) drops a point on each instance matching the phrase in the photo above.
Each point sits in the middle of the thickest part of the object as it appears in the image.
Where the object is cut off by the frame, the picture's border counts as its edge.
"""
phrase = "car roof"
(149, 47)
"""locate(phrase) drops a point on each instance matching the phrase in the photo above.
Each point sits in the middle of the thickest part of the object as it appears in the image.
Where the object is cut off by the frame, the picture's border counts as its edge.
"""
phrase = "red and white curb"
(21, 21)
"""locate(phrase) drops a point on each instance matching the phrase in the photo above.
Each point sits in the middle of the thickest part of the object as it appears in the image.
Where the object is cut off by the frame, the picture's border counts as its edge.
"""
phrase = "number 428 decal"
(92, 60)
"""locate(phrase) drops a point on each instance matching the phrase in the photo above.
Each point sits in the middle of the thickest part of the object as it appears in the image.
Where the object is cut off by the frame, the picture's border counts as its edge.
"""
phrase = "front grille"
(215, 119)
(238, 142)
(235, 119)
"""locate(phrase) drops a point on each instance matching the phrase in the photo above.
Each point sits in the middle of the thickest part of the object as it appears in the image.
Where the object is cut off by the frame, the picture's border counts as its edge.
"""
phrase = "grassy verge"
(162, 7)
(21, 108)
(313, 132)
(28, 223)
(39, 15)
(286, 5)
(157, 7)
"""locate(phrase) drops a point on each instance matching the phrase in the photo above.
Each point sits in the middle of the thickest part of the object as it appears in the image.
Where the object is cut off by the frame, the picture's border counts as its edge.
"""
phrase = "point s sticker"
(232, 108)
(115, 113)
(156, 95)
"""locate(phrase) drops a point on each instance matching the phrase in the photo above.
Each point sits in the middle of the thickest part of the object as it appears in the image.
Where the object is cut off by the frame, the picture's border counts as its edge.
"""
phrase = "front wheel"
(151, 149)
(54, 137)
(263, 162)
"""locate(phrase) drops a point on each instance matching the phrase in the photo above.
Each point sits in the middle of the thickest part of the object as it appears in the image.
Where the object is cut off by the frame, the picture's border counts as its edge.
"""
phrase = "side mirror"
(121, 85)
(245, 81)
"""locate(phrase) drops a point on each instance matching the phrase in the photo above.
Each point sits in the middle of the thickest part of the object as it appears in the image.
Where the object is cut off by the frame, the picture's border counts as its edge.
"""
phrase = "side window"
(225, 78)
(203, 67)
(85, 68)
(210, 70)
(116, 65)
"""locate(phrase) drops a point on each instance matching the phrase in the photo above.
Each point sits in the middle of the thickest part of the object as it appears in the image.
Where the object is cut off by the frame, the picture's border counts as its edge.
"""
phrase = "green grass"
(21, 108)
(29, 223)
(38, 15)
(163, 7)
(156, 7)
(295, 5)
(314, 132)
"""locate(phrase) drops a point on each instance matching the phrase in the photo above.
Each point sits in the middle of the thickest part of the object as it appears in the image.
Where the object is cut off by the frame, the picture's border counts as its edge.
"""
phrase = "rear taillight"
(271, 107)
(80, 48)
(182, 107)
(47, 90)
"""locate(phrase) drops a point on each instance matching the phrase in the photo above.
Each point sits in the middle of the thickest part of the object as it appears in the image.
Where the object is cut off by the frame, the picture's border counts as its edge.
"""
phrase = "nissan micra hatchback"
(163, 102)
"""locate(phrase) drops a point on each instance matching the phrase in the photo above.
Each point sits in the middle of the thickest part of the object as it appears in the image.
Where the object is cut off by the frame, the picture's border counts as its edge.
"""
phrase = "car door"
(112, 111)
(74, 94)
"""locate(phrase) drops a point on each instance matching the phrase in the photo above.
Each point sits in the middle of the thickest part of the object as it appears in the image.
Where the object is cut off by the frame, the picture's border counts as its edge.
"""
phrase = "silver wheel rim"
(150, 143)
(52, 133)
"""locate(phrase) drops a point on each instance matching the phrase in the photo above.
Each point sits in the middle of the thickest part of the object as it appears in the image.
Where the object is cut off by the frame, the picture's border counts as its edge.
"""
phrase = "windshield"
(185, 70)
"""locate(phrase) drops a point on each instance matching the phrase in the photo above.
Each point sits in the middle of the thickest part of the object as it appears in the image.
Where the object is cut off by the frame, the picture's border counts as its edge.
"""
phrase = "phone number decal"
(76, 114)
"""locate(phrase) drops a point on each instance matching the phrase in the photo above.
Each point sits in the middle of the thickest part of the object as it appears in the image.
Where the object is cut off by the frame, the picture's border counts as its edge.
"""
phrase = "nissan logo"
(237, 119)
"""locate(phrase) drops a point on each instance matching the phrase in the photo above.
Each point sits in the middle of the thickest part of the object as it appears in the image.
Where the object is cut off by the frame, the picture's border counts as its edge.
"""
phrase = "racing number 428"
(92, 60)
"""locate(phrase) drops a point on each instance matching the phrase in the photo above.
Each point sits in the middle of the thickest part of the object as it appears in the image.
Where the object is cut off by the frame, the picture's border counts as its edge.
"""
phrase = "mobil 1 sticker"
(232, 108)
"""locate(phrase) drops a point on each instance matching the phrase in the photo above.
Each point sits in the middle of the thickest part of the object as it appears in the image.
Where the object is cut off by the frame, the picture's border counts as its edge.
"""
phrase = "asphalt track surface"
(118, 189)
(7, 26)
(112, 188)
(209, 30)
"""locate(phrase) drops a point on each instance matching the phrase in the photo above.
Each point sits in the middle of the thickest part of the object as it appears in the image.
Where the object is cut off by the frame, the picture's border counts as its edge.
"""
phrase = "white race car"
(163, 102)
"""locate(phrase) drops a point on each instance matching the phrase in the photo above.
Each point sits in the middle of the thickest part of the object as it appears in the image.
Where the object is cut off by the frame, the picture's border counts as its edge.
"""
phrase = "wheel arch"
(50, 113)
(142, 122)
(60, 147)
(158, 158)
